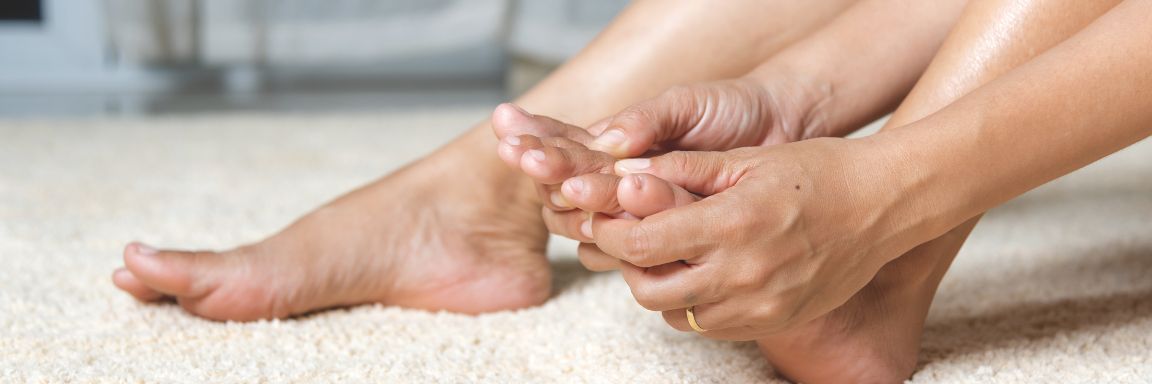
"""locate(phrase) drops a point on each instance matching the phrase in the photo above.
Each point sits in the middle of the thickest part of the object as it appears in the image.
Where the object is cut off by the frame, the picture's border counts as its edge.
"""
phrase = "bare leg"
(458, 230)
(876, 335)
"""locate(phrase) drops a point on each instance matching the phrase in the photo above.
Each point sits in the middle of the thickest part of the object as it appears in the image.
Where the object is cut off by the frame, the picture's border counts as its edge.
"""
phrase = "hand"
(709, 116)
(785, 235)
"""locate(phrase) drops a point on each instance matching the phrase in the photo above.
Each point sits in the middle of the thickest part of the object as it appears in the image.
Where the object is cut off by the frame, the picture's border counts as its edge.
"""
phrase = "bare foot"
(455, 231)
(875, 336)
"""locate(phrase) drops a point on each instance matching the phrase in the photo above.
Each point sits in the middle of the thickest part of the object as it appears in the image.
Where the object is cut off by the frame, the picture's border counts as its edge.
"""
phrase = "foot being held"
(873, 337)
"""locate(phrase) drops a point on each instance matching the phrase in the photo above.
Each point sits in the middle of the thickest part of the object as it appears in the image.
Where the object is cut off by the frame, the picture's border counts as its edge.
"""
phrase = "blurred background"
(147, 57)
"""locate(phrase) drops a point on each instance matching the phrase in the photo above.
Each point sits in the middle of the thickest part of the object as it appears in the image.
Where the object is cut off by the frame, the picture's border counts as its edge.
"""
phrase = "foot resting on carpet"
(426, 236)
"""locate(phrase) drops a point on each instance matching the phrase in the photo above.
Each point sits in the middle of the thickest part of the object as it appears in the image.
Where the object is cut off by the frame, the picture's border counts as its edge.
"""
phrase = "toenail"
(586, 227)
(576, 186)
(535, 154)
(145, 250)
(637, 182)
(559, 200)
(611, 141)
(512, 140)
(632, 165)
(521, 110)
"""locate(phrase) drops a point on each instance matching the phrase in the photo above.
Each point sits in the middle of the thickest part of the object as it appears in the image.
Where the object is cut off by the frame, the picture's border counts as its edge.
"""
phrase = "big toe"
(643, 195)
(172, 273)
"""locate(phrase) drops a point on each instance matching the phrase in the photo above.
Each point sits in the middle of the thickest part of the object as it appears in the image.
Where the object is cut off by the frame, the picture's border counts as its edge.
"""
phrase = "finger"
(593, 192)
(511, 120)
(680, 233)
(638, 128)
(673, 285)
(553, 164)
(735, 320)
(644, 195)
(574, 224)
(703, 173)
(596, 260)
(678, 319)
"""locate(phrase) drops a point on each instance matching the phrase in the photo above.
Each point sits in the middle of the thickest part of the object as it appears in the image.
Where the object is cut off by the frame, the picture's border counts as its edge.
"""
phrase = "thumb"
(703, 173)
(669, 116)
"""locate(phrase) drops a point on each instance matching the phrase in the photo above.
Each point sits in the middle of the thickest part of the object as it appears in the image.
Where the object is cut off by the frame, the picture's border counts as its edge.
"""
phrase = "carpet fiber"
(1053, 287)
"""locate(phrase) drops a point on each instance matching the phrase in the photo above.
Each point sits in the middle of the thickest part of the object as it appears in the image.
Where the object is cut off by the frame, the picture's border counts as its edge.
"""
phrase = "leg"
(431, 236)
(877, 334)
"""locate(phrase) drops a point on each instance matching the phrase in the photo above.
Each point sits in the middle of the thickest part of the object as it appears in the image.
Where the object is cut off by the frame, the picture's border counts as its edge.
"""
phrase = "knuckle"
(646, 297)
(678, 93)
(635, 116)
(557, 141)
(683, 97)
(776, 312)
(743, 220)
(678, 160)
(743, 282)
(638, 246)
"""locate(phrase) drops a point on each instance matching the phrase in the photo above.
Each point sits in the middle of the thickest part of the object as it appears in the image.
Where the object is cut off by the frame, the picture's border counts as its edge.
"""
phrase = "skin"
(828, 84)
(827, 166)
(885, 318)
(447, 232)
(991, 38)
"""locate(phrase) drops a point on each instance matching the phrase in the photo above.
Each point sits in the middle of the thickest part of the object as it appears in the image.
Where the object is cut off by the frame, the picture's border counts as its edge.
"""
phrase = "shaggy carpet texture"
(1055, 286)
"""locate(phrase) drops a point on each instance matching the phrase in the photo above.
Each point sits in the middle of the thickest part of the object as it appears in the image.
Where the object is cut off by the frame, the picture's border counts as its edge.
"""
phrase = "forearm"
(863, 62)
(1080, 101)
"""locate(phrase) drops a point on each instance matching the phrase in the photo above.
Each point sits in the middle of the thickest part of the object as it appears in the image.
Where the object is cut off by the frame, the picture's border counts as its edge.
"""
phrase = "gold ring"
(692, 320)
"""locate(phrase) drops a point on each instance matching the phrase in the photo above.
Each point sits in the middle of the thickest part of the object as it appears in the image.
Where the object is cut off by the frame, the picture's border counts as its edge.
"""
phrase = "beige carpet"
(1054, 287)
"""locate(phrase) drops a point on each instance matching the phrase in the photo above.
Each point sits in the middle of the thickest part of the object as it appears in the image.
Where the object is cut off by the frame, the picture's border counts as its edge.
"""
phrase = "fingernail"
(535, 154)
(512, 140)
(521, 110)
(632, 165)
(576, 186)
(611, 140)
(559, 200)
(145, 250)
(586, 227)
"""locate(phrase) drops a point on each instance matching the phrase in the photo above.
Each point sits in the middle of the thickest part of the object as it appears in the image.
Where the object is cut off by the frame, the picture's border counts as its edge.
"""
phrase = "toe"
(644, 195)
(510, 120)
(126, 281)
(173, 273)
(593, 192)
(553, 165)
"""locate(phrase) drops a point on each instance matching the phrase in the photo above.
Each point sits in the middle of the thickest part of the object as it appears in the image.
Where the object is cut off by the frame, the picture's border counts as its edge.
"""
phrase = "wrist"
(921, 201)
